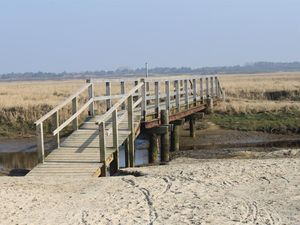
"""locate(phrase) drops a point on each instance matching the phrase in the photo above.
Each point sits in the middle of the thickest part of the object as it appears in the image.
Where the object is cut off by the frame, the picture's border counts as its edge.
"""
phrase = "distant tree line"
(258, 67)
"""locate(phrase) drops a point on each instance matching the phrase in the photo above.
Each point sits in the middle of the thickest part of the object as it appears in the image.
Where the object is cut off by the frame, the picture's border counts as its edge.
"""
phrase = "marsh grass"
(22, 103)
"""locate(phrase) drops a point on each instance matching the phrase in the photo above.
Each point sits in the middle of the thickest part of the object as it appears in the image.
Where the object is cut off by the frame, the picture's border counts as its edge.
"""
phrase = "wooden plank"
(55, 122)
(207, 87)
(201, 88)
(102, 142)
(115, 136)
(212, 87)
(144, 102)
(195, 91)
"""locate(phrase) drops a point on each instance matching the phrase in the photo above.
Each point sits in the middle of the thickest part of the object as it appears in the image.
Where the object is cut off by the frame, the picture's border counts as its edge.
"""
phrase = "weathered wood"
(91, 96)
(201, 90)
(157, 98)
(175, 138)
(209, 105)
(126, 150)
(116, 136)
(40, 142)
(144, 101)
(192, 126)
(55, 123)
(64, 103)
(108, 93)
(212, 87)
(195, 91)
(153, 148)
(122, 85)
(131, 128)
(177, 95)
(165, 138)
(168, 97)
(74, 111)
(186, 94)
(217, 87)
(207, 87)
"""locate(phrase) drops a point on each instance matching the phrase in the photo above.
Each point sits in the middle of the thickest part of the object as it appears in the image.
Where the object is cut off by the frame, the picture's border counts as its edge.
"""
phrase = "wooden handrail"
(119, 103)
(65, 102)
(66, 123)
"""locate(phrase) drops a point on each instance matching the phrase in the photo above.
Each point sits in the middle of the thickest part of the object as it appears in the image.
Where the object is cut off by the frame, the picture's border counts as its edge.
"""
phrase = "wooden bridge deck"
(94, 144)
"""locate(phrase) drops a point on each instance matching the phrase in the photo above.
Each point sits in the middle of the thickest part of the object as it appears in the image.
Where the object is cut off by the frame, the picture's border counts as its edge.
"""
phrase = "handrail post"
(131, 130)
(201, 90)
(186, 94)
(40, 142)
(122, 83)
(157, 98)
(74, 110)
(167, 86)
(55, 122)
(108, 93)
(115, 135)
(207, 87)
(144, 101)
(91, 95)
(212, 87)
(177, 95)
(102, 146)
(195, 91)
(216, 87)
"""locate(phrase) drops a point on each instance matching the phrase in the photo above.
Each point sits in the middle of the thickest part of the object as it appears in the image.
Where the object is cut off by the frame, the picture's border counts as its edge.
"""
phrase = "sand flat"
(188, 191)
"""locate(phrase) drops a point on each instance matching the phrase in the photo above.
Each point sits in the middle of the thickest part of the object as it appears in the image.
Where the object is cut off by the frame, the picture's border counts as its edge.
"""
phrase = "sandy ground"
(188, 191)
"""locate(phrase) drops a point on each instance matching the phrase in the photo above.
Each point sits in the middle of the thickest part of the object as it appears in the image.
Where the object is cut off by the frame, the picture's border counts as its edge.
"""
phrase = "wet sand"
(188, 191)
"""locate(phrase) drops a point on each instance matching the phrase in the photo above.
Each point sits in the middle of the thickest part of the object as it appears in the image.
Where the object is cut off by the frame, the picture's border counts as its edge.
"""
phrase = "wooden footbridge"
(115, 117)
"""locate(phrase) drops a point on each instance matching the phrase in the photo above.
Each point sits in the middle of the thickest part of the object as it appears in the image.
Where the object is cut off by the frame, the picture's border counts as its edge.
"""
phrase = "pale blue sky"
(73, 35)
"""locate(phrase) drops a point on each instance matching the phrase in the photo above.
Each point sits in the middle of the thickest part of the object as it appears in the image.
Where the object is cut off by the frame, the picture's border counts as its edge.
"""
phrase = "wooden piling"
(153, 150)
(175, 138)
(192, 122)
(126, 150)
(209, 105)
(165, 138)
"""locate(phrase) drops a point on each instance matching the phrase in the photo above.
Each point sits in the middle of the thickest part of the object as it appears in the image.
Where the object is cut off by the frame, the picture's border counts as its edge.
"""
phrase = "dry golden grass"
(21, 103)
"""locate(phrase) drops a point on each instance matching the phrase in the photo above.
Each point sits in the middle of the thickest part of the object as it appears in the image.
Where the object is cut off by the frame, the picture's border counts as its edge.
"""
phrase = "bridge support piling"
(165, 138)
(126, 150)
(153, 150)
(209, 105)
(175, 134)
(192, 122)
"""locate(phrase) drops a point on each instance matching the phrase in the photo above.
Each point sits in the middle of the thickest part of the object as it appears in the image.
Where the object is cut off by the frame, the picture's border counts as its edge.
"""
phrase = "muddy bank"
(211, 136)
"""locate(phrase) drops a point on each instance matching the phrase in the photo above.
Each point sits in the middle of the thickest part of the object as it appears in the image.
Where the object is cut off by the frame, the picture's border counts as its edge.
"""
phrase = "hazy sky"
(73, 35)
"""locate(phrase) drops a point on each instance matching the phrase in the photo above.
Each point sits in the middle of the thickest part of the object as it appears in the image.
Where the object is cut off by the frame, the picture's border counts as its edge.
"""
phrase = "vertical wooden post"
(177, 96)
(165, 138)
(186, 95)
(212, 87)
(217, 87)
(167, 86)
(207, 87)
(192, 126)
(55, 122)
(91, 95)
(108, 93)
(122, 83)
(126, 151)
(209, 105)
(135, 98)
(74, 110)
(144, 101)
(131, 129)
(40, 142)
(157, 98)
(102, 145)
(115, 136)
(175, 138)
(201, 90)
(153, 148)
(195, 91)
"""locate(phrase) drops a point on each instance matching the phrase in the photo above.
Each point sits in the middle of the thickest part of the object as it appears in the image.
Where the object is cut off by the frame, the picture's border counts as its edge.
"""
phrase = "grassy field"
(271, 99)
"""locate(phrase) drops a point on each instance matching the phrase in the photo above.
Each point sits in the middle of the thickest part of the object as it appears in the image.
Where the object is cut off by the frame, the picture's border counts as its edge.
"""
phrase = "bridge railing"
(174, 92)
